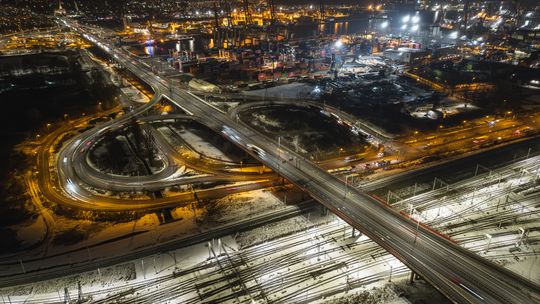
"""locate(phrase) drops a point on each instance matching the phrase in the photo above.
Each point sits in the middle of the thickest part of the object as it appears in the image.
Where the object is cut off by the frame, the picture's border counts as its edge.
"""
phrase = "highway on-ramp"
(461, 275)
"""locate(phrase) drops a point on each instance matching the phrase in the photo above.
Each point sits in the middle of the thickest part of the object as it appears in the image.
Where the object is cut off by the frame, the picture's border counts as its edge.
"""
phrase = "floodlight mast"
(322, 17)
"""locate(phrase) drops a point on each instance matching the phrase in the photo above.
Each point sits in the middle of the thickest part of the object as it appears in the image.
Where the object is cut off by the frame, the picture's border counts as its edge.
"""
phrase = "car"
(457, 281)
(350, 159)
(256, 149)
(480, 140)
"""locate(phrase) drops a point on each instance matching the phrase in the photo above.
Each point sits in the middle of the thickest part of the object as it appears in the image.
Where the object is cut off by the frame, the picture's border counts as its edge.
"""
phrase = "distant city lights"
(414, 20)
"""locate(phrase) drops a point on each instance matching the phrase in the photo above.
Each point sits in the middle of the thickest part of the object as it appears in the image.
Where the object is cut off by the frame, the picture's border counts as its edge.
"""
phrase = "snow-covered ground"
(449, 110)
(291, 90)
(88, 241)
(495, 214)
(224, 106)
(316, 261)
(240, 205)
(319, 259)
(33, 232)
(201, 145)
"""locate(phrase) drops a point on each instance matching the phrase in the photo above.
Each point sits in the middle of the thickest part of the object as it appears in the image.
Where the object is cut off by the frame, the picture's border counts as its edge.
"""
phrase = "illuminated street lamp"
(417, 226)
(488, 236)
(406, 19)
(384, 24)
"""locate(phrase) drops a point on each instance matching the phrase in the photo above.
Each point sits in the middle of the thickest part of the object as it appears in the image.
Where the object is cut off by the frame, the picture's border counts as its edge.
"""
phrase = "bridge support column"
(324, 211)
(411, 277)
(79, 292)
(66, 295)
(522, 234)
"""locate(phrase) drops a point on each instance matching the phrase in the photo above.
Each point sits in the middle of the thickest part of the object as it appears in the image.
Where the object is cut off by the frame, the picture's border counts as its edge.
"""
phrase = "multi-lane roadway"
(461, 275)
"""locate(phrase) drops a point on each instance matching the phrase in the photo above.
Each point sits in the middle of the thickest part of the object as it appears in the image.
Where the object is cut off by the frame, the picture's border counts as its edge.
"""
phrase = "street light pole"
(22, 266)
(488, 236)
(417, 227)
(142, 267)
